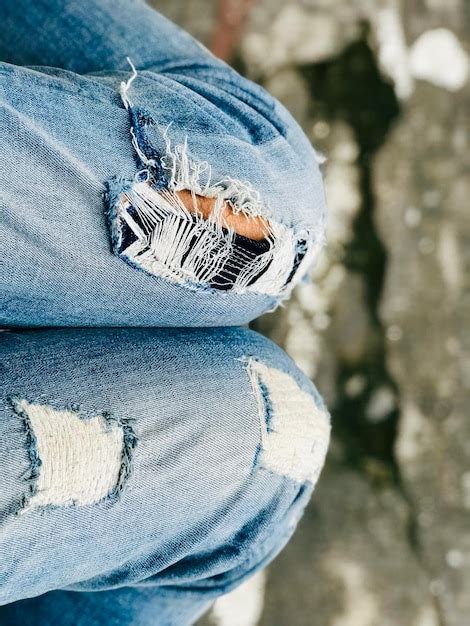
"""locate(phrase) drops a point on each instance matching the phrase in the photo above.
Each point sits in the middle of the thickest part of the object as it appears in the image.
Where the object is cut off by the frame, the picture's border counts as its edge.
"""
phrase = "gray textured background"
(383, 329)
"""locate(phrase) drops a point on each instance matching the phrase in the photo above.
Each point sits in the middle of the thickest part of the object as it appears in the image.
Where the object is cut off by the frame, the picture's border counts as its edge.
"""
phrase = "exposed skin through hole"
(256, 228)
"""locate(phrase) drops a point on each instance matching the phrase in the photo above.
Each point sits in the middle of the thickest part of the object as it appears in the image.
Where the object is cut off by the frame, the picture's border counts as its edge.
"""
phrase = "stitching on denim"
(44, 496)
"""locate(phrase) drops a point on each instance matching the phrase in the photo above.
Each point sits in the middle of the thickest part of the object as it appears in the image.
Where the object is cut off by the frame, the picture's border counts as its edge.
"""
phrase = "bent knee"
(214, 210)
(200, 443)
(272, 451)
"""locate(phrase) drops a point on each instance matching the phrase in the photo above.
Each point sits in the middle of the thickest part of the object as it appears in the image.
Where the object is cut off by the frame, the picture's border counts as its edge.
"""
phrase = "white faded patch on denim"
(79, 460)
(295, 432)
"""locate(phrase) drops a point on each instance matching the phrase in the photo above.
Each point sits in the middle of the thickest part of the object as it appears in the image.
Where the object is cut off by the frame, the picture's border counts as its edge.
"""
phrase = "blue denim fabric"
(143, 472)
(197, 511)
(67, 154)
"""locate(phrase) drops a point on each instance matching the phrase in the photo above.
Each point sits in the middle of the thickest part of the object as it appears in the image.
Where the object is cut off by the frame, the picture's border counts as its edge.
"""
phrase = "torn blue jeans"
(144, 472)
(94, 154)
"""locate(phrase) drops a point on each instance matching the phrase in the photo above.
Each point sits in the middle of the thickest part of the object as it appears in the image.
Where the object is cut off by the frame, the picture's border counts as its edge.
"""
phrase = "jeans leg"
(66, 137)
(96, 159)
(179, 461)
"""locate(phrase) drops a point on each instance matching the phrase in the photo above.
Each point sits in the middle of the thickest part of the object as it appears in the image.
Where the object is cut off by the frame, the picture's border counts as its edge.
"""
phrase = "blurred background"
(382, 89)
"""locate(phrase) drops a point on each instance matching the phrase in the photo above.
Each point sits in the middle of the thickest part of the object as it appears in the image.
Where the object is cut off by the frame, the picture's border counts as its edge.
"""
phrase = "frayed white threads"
(125, 85)
(187, 248)
(124, 92)
(184, 173)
